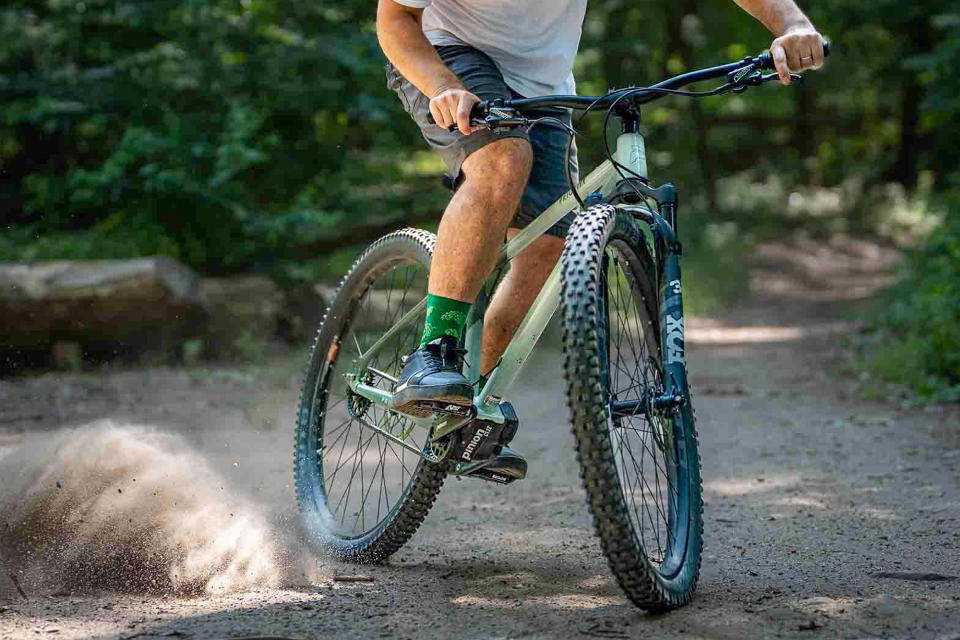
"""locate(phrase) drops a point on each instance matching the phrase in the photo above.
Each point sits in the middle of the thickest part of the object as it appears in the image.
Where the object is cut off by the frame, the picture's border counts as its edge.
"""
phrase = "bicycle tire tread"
(580, 319)
(421, 493)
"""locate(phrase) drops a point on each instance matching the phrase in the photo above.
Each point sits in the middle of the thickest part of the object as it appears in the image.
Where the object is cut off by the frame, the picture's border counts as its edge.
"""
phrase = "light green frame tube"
(631, 153)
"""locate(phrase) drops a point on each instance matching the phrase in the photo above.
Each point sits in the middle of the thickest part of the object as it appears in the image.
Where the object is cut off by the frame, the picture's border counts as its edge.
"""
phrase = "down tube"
(524, 340)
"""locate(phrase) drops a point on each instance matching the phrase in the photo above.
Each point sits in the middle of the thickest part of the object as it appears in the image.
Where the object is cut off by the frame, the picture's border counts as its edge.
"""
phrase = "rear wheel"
(362, 496)
(639, 463)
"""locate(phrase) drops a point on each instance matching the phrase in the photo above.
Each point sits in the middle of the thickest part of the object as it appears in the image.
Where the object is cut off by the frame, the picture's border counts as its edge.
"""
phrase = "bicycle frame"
(604, 179)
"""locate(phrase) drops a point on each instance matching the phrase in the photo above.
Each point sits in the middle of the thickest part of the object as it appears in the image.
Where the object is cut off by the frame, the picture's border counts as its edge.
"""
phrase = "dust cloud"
(133, 509)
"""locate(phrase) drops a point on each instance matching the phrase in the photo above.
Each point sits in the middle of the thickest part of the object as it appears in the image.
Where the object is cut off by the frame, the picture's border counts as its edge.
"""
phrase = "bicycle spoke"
(361, 514)
(632, 376)
(363, 473)
(641, 481)
(358, 463)
(340, 465)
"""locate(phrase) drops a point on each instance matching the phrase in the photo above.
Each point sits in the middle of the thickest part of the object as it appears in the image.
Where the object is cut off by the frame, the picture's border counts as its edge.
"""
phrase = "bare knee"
(505, 161)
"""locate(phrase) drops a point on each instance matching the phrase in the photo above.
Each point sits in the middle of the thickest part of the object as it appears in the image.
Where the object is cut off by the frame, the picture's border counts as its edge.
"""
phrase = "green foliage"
(214, 132)
(258, 135)
(916, 337)
(715, 275)
(236, 135)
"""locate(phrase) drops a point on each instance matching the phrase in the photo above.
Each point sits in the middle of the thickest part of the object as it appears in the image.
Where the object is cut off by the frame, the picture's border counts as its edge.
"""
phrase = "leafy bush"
(223, 134)
(916, 338)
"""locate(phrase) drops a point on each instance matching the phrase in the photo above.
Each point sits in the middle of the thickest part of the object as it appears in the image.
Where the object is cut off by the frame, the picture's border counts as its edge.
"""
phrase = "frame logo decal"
(674, 341)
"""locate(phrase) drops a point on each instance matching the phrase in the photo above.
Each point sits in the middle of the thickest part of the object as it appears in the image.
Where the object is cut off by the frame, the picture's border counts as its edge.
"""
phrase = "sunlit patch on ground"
(797, 501)
(746, 486)
(702, 333)
(596, 582)
(560, 602)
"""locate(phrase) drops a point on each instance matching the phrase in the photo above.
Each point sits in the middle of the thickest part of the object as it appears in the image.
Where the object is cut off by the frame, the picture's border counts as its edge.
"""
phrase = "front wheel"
(639, 460)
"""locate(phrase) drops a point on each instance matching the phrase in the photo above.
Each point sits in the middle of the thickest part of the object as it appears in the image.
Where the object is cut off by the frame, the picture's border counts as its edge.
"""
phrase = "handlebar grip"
(766, 58)
(430, 119)
(475, 112)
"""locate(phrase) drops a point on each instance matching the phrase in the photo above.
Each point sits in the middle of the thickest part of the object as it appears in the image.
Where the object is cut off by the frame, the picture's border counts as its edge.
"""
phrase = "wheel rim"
(643, 443)
(365, 475)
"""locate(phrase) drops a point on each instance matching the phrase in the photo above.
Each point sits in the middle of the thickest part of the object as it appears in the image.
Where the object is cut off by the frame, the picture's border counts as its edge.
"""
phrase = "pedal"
(503, 468)
(447, 409)
(492, 476)
(479, 449)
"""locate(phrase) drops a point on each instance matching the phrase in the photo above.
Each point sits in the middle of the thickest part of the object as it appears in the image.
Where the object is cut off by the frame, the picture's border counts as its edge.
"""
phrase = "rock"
(104, 304)
(304, 306)
(242, 316)
(104, 308)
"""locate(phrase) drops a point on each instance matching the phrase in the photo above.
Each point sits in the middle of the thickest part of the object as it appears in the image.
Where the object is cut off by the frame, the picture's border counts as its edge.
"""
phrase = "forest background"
(258, 136)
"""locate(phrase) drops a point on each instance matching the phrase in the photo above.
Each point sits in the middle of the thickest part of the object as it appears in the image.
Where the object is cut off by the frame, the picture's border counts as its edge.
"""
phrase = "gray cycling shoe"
(431, 381)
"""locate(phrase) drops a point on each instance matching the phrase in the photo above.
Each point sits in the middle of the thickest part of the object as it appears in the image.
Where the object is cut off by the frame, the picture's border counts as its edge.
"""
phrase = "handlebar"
(740, 75)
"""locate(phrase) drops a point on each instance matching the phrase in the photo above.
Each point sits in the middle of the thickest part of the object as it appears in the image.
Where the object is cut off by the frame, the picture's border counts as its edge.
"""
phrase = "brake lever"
(769, 77)
(493, 122)
(455, 127)
(497, 117)
(741, 79)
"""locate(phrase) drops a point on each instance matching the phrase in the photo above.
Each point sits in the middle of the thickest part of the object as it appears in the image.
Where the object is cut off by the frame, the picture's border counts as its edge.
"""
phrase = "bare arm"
(797, 46)
(401, 37)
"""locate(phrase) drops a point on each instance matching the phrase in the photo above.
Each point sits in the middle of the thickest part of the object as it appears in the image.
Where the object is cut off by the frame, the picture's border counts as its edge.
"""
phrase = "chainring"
(357, 405)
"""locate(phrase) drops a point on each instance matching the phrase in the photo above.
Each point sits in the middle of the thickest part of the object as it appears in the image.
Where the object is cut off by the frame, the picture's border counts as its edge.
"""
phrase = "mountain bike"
(367, 476)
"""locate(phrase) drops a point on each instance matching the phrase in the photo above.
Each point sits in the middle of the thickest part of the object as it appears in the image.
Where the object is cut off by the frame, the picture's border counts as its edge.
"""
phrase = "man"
(445, 56)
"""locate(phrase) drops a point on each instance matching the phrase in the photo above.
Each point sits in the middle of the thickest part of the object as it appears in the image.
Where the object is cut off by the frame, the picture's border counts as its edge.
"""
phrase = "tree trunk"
(904, 169)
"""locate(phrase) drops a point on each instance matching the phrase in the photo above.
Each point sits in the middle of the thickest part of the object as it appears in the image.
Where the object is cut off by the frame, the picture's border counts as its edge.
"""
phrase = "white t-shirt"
(533, 42)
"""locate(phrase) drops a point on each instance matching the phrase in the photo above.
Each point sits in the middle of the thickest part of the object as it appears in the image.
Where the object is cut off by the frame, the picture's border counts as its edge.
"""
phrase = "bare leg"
(473, 226)
(528, 272)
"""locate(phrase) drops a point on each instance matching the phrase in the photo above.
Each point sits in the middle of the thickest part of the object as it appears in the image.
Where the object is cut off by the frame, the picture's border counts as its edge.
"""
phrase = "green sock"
(445, 317)
(482, 382)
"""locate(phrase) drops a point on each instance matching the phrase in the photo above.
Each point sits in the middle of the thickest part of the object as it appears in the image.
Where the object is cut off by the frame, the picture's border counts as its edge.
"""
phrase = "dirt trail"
(826, 516)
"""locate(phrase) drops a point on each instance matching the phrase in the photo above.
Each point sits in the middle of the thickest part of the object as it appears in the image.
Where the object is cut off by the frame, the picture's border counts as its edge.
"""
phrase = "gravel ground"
(827, 516)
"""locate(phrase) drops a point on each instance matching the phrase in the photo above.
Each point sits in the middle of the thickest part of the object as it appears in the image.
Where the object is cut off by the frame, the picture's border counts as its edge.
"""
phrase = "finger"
(817, 52)
(438, 114)
(463, 114)
(805, 50)
(793, 59)
(780, 62)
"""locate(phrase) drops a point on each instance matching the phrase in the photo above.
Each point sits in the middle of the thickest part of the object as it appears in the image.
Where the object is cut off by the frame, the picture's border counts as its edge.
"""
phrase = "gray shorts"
(480, 75)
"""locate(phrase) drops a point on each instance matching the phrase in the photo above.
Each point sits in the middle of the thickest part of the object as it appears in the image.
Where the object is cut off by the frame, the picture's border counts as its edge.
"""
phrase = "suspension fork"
(672, 332)
(676, 393)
